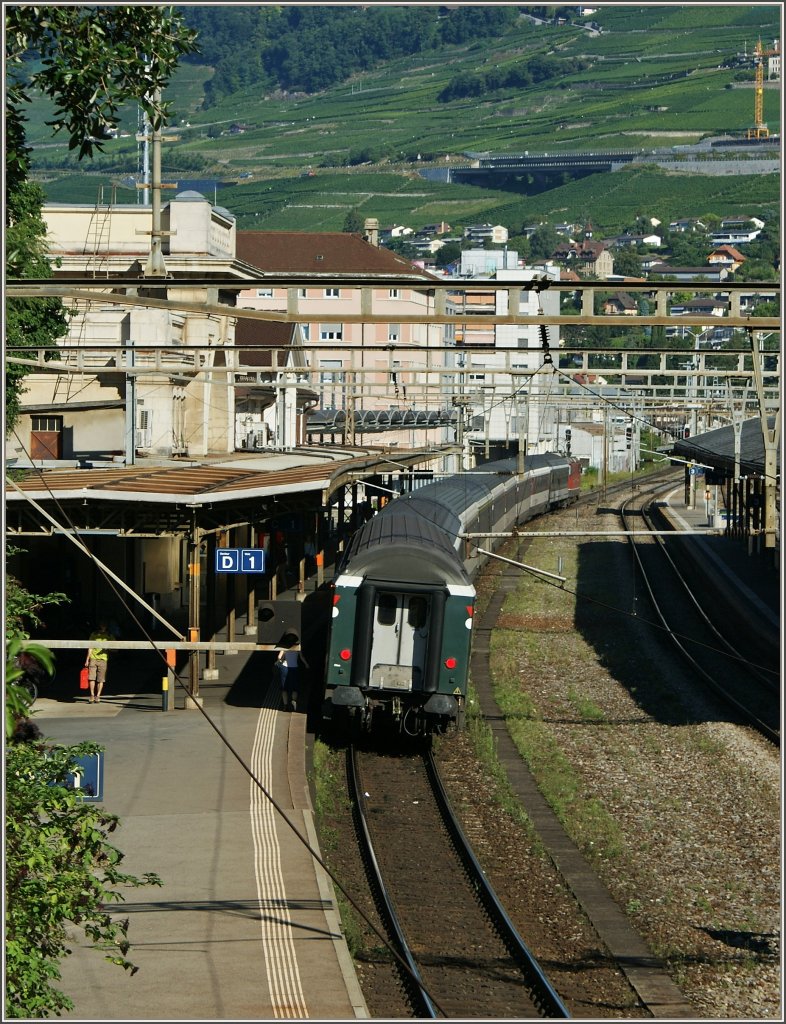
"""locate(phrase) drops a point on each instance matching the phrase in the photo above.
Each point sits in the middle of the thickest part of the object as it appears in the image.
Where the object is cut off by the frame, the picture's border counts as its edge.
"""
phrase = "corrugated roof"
(716, 447)
(192, 485)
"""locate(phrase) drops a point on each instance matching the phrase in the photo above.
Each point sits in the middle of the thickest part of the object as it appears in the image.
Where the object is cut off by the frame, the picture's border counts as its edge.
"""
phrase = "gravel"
(695, 801)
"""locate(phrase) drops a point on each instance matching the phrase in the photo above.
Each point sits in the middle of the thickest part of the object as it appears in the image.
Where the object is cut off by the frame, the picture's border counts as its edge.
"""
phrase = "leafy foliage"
(88, 62)
(17, 699)
(532, 72)
(310, 48)
(60, 868)
(353, 222)
(91, 60)
(30, 323)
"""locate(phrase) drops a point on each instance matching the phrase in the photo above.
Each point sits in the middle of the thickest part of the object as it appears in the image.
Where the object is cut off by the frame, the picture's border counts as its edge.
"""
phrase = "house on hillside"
(529, 230)
(649, 260)
(737, 230)
(726, 256)
(620, 304)
(394, 231)
(588, 258)
(497, 234)
(442, 228)
(702, 305)
(635, 240)
(687, 225)
(714, 274)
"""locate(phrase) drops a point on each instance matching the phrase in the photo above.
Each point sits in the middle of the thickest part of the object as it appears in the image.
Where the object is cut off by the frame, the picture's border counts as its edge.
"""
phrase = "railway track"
(710, 649)
(464, 957)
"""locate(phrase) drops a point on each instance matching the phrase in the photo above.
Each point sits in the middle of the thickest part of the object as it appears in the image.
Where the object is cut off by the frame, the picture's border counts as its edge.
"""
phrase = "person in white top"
(286, 669)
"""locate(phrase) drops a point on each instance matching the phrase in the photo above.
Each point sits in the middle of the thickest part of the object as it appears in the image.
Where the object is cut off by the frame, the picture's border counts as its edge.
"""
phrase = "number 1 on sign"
(252, 560)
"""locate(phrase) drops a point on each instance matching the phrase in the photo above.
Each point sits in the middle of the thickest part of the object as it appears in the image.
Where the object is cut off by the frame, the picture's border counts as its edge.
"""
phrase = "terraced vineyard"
(653, 78)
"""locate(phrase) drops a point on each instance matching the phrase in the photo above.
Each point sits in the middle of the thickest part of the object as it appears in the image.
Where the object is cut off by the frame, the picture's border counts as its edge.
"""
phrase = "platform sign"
(227, 559)
(88, 778)
(244, 560)
(252, 560)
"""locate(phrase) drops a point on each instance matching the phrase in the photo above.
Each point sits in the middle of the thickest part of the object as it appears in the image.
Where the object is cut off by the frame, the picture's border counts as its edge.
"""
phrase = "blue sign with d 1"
(227, 559)
(252, 560)
(240, 560)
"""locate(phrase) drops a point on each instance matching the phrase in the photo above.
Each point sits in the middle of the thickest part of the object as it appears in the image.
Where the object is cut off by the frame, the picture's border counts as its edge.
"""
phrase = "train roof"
(401, 543)
(427, 521)
(442, 500)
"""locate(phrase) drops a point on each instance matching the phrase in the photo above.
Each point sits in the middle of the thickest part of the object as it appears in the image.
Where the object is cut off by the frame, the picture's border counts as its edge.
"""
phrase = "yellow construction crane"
(759, 129)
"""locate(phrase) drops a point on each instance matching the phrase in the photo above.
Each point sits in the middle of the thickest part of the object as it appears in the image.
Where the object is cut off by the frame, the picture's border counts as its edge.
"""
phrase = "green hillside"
(655, 77)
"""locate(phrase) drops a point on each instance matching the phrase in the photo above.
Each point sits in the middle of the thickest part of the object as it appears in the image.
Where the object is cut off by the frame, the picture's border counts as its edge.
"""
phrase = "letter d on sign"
(227, 560)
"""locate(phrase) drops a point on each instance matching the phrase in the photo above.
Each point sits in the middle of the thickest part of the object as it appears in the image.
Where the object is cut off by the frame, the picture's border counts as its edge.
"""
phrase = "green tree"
(60, 869)
(88, 62)
(519, 244)
(756, 270)
(353, 223)
(448, 253)
(626, 262)
(59, 866)
(543, 241)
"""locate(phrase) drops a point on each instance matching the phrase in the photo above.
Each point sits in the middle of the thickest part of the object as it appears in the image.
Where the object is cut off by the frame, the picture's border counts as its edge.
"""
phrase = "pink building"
(352, 364)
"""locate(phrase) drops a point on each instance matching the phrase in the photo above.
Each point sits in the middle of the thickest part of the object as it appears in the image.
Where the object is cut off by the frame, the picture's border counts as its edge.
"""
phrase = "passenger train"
(403, 600)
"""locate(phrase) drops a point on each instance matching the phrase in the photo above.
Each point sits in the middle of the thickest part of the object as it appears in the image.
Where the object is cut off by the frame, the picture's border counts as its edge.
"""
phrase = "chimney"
(371, 231)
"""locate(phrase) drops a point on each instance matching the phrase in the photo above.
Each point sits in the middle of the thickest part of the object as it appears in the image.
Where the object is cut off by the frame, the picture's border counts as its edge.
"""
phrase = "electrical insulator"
(628, 435)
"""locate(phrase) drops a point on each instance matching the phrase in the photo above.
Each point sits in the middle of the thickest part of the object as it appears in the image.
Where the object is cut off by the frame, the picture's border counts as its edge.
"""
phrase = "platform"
(752, 572)
(245, 926)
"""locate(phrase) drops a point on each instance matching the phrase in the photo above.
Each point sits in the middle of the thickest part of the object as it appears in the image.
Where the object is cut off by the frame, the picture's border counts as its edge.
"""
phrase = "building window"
(53, 424)
(332, 293)
(302, 293)
(305, 330)
(331, 379)
(394, 293)
(331, 332)
(264, 293)
(394, 332)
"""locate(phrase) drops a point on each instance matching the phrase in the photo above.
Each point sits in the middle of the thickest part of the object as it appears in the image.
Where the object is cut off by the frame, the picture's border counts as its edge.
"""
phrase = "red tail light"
(470, 610)
(336, 599)
(450, 663)
(345, 655)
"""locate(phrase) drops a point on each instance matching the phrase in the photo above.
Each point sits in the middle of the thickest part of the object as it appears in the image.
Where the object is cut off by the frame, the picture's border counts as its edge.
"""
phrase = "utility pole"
(771, 441)
(155, 266)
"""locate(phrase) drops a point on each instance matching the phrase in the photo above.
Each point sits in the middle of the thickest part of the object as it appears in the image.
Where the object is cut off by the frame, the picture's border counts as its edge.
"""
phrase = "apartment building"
(119, 402)
(505, 392)
(353, 365)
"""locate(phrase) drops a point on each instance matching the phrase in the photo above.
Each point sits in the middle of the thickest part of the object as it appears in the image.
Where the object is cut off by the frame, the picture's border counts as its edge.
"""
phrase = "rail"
(678, 636)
